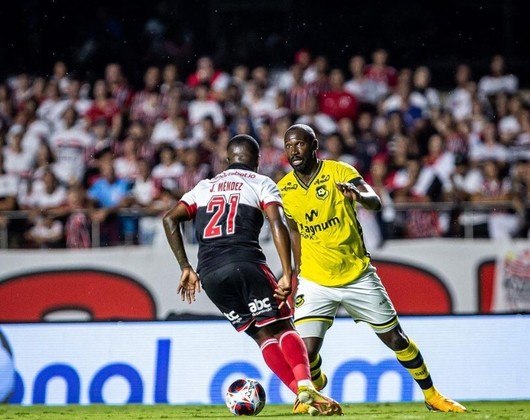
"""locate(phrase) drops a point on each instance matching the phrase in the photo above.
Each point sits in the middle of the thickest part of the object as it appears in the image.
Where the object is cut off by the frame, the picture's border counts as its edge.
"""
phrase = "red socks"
(273, 356)
(295, 354)
(287, 358)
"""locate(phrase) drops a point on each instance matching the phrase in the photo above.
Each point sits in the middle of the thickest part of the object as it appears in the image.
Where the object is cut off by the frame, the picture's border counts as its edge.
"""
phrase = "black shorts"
(243, 292)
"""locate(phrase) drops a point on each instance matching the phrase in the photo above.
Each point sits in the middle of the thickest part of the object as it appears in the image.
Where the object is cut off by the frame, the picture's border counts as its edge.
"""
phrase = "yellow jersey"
(333, 250)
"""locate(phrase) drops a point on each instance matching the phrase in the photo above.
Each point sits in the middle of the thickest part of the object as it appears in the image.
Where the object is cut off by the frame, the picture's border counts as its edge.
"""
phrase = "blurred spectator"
(106, 196)
(488, 146)
(8, 195)
(423, 95)
(60, 76)
(240, 76)
(38, 89)
(270, 155)
(47, 110)
(47, 194)
(118, 86)
(333, 149)
(361, 87)
(435, 170)
(337, 102)
(146, 104)
(21, 89)
(509, 125)
(320, 83)
(194, 171)
(317, 120)
(504, 223)
(126, 164)
(45, 161)
(233, 101)
(167, 172)
(378, 179)
(298, 92)
(218, 159)
(170, 81)
(16, 160)
(260, 105)
(72, 147)
(73, 99)
(37, 131)
(203, 106)
(46, 232)
(77, 226)
(459, 101)
(497, 81)
(104, 106)
(382, 77)
(174, 129)
(207, 74)
(144, 193)
(367, 145)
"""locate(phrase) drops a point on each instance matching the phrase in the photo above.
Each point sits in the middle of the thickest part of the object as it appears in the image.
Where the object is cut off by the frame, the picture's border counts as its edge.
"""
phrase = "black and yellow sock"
(412, 360)
(317, 377)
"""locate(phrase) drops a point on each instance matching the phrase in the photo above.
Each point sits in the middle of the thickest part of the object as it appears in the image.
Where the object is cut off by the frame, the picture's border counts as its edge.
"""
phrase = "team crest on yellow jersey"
(299, 301)
(322, 192)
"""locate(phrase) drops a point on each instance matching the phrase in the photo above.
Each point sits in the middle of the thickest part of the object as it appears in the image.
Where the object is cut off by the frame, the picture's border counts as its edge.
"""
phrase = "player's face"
(300, 151)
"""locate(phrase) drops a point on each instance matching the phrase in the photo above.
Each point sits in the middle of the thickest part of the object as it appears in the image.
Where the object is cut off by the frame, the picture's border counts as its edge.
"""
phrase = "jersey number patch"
(217, 206)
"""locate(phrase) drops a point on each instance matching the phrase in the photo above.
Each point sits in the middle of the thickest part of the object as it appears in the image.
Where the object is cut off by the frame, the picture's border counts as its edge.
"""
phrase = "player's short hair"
(245, 140)
(310, 133)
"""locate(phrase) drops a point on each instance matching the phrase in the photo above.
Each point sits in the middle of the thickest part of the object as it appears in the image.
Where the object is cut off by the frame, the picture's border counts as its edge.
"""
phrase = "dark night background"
(86, 35)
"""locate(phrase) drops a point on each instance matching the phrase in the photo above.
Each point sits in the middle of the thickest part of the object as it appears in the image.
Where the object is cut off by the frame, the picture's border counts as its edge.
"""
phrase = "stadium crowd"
(74, 153)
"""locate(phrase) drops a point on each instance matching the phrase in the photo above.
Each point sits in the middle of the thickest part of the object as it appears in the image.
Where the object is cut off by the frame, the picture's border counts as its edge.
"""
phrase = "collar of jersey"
(240, 166)
(302, 183)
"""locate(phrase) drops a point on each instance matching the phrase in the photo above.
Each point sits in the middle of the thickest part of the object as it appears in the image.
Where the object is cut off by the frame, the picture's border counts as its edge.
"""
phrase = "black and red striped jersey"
(228, 213)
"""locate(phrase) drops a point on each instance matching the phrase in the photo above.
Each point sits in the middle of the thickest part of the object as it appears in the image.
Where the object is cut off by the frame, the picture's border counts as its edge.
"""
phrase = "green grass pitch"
(506, 410)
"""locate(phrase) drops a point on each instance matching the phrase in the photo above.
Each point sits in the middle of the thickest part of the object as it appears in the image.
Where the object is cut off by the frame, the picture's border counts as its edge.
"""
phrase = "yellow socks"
(412, 360)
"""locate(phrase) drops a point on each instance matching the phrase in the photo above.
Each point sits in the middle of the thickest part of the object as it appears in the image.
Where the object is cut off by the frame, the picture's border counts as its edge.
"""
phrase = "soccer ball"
(245, 397)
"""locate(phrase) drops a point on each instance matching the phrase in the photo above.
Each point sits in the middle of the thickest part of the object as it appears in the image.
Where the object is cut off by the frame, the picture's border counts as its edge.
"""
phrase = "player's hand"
(283, 290)
(189, 284)
(349, 190)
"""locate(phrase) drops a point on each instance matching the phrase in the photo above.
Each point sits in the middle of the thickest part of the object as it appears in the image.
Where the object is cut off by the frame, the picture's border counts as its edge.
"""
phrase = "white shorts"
(365, 299)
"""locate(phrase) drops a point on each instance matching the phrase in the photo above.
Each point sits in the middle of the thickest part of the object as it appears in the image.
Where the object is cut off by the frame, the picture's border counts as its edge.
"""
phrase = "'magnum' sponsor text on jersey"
(228, 213)
(333, 251)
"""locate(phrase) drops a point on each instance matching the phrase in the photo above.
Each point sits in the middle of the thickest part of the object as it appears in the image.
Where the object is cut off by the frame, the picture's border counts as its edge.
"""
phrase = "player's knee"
(312, 345)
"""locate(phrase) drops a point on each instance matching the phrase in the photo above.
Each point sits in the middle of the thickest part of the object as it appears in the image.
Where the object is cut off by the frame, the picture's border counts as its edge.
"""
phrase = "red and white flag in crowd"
(512, 279)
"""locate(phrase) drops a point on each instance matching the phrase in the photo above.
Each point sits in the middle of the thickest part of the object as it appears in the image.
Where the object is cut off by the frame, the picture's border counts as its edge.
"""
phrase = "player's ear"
(314, 144)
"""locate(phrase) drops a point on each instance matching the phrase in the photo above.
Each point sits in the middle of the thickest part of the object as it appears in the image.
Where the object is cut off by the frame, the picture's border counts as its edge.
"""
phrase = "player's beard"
(306, 165)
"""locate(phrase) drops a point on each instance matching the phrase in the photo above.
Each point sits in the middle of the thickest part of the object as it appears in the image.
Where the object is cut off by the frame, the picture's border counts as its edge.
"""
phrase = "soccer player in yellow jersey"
(332, 263)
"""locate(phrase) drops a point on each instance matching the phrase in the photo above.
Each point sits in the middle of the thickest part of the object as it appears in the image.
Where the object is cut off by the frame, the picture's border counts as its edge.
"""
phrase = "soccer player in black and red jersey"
(228, 212)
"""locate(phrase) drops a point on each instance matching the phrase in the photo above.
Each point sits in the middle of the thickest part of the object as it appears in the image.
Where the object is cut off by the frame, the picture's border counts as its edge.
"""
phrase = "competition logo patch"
(322, 192)
(299, 301)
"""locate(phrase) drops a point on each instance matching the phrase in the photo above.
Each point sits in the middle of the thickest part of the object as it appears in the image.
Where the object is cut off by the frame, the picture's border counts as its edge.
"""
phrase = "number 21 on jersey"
(217, 206)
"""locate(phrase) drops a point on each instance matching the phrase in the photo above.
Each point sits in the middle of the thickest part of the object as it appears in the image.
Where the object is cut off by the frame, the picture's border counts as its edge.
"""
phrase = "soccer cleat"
(441, 403)
(317, 404)
(300, 407)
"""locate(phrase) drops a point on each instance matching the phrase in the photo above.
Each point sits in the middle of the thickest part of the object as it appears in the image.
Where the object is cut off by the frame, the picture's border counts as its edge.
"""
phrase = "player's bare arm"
(280, 236)
(189, 282)
(295, 244)
(358, 190)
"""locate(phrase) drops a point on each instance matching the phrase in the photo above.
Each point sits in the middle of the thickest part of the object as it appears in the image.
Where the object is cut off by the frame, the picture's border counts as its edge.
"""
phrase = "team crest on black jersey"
(322, 192)
(299, 301)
